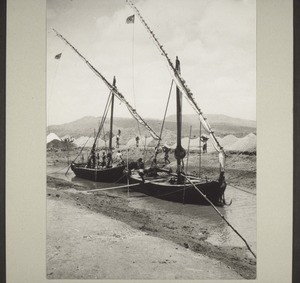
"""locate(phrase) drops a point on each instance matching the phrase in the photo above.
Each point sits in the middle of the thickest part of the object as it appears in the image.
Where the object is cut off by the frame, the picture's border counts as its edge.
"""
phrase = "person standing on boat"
(204, 146)
(92, 160)
(204, 139)
(140, 167)
(118, 139)
(98, 159)
(119, 158)
(109, 159)
(137, 139)
(166, 157)
(152, 172)
(103, 163)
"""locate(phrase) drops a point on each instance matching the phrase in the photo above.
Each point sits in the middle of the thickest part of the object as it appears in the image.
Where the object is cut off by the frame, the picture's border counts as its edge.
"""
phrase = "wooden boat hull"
(109, 175)
(181, 193)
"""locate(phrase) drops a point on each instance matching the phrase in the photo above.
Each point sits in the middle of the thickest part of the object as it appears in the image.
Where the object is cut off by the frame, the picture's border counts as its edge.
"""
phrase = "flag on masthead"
(130, 20)
(58, 56)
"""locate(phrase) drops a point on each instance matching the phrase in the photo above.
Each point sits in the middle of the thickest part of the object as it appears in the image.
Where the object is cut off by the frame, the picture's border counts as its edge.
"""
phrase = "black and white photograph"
(151, 140)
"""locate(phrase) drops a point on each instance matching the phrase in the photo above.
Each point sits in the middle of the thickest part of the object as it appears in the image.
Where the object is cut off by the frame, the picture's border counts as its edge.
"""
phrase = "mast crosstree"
(113, 89)
(181, 84)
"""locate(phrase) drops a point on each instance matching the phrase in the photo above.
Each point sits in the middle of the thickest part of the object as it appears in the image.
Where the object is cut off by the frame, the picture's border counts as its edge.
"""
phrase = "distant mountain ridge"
(215, 119)
(221, 124)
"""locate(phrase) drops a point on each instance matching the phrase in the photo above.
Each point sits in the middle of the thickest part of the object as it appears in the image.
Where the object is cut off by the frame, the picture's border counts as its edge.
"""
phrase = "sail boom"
(113, 89)
(180, 83)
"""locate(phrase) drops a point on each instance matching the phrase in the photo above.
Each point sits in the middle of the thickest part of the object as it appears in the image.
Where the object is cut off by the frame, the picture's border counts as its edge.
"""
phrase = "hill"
(221, 124)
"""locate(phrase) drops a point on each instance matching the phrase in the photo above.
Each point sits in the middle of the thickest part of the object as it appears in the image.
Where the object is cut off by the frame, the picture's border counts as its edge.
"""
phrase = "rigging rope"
(133, 86)
(163, 123)
(107, 106)
(77, 156)
(112, 88)
(188, 151)
(104, 138)
(180, 82)
(199, 170)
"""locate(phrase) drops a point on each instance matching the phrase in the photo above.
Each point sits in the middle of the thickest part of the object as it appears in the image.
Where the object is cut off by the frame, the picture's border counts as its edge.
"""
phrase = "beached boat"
(180, 187)
(93, 169)
(108, 175)
(105, 170)
(167, 188)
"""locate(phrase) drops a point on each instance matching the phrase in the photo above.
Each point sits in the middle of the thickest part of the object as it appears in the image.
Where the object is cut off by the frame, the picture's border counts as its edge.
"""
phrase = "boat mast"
(181, 84)
(178, 108)
(112, 116)
(179, 151)
(112, 88)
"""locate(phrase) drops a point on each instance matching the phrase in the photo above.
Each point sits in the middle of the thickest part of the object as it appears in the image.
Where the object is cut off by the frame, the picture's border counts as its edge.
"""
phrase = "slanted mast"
(112, 116)
(181, 84)
(113, 89)
(179, 151)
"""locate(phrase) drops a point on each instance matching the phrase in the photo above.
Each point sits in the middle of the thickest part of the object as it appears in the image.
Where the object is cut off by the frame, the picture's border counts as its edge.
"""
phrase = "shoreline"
(240, 167)
(187, 232)
(94, 246)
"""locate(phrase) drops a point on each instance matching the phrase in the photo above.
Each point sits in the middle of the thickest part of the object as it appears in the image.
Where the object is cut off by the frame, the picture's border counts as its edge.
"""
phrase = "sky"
(215, 41)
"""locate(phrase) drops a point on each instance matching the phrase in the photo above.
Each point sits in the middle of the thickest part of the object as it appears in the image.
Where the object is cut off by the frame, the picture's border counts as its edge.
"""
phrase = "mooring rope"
(58, 170)
(222, 216)
(77, 155)
(241, 189)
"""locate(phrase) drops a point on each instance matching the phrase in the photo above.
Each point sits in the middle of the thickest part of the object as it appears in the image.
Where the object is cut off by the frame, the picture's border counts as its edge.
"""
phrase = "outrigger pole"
(180, 82)
(113, 89)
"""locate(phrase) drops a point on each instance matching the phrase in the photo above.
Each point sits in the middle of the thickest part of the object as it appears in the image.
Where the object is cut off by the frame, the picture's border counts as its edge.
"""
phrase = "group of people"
(152, 171)
(118, 139)
(154, 168)
(105, 161)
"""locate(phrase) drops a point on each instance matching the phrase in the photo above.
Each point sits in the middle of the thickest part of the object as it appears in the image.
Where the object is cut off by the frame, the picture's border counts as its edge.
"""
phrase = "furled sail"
(112, 89)
(181, 84)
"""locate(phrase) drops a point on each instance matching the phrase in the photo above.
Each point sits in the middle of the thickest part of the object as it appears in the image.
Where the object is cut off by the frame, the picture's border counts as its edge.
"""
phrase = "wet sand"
(92, 245)
(167, 229)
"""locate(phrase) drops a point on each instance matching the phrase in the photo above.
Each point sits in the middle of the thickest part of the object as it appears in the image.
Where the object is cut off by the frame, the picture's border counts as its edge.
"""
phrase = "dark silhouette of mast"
(112, 116)
(179, 151)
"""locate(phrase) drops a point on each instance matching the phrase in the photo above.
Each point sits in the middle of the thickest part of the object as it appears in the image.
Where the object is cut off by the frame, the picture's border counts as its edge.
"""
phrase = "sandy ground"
(92, 245)
(104, 236)
(172, 235)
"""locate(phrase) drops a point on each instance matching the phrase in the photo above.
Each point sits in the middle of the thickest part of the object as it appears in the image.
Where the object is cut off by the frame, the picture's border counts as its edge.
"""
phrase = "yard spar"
(91, 170)
(181, 84)
(174, 186)
(210, 191)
